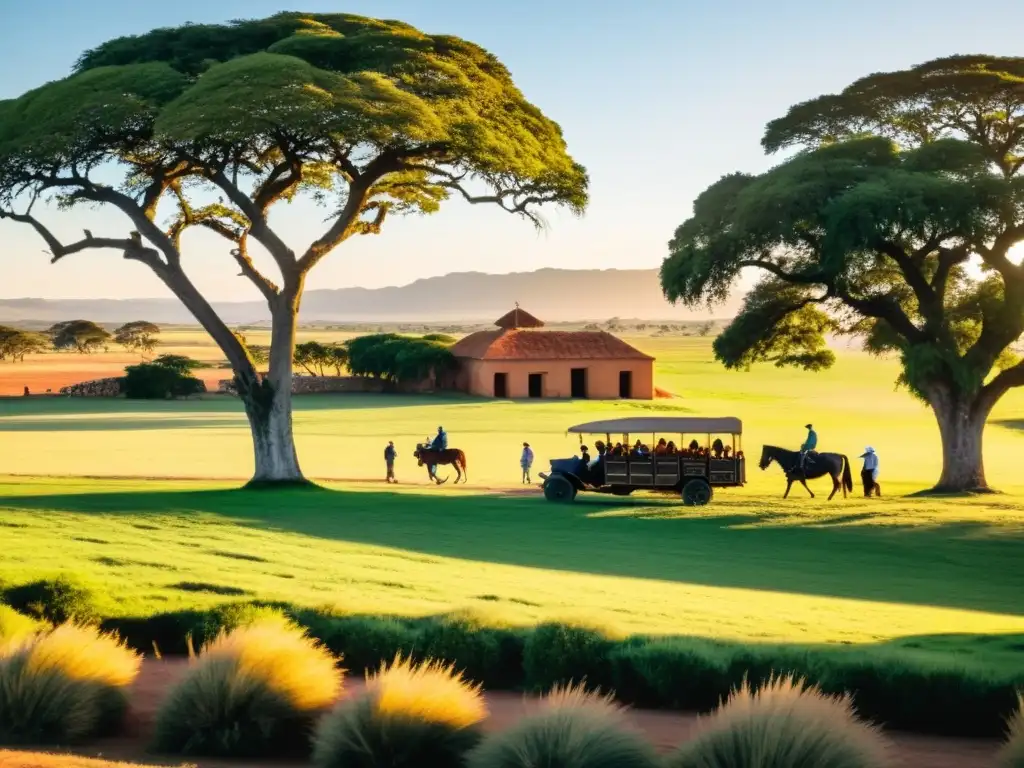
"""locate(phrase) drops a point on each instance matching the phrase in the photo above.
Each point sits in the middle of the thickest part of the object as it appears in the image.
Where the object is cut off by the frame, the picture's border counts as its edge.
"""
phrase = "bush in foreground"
(575, 729)
(411, 716)
(1012, 755)
(56, 601)
(255, 691)
(63, 686)
(784, 724)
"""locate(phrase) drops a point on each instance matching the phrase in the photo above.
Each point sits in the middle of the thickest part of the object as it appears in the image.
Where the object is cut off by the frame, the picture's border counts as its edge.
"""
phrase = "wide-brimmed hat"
(867, 450)
(808, 426)
(526, 445)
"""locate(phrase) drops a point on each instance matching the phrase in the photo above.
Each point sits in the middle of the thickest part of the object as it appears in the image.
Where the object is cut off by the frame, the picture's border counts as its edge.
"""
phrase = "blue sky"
(658, 98)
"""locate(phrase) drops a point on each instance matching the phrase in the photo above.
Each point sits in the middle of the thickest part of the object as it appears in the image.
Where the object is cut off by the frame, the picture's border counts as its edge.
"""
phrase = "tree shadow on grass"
(948, 565)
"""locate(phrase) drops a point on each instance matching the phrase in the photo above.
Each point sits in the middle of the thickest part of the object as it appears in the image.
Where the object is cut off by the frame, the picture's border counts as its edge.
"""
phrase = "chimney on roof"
(518, 318)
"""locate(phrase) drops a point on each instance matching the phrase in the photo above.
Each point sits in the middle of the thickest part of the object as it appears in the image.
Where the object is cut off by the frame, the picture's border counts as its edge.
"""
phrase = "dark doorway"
(626, 384)
(501, 385)
(536, 385)
(578, 383)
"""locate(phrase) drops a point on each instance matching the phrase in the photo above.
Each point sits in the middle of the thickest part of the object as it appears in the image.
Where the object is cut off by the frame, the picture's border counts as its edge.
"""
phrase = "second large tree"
(896, 222)
(218, 124)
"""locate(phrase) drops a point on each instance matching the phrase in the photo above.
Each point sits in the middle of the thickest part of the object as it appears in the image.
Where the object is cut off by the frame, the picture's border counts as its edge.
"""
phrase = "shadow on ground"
(942, 564)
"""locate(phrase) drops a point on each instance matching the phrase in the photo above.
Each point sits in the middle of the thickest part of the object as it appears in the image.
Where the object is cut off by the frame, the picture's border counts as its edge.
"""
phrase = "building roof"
(676, 425)
(545, 345)
(518, 318)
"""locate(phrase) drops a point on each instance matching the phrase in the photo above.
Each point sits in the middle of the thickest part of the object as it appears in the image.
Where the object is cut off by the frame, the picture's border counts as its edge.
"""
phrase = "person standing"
(390, 454)
(869, 473)
(526, 461)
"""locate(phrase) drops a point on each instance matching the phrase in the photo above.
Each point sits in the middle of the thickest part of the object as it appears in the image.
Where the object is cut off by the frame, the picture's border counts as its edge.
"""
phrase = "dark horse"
(817, 465)
(427, 455)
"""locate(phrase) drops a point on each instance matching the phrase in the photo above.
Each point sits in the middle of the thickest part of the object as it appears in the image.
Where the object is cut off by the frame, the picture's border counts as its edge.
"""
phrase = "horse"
(427, 455)
(818, 465)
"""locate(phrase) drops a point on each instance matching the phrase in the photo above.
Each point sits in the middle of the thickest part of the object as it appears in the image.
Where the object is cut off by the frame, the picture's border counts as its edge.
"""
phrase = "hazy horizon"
(657, 99)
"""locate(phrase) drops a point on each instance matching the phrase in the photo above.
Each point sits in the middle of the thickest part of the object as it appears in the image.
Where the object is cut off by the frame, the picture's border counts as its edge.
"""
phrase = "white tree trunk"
(268, 405)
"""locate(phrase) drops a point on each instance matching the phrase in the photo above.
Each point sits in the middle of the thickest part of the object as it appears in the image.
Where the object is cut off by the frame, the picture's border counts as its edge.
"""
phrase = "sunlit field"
(941, 576)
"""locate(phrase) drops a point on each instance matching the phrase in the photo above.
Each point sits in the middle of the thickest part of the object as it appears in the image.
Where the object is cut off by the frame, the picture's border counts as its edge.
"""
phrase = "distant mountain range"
(553, 295)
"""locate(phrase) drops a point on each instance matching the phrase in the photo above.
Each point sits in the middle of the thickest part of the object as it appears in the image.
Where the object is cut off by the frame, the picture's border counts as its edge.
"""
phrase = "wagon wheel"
(559, 490)
(697, 493)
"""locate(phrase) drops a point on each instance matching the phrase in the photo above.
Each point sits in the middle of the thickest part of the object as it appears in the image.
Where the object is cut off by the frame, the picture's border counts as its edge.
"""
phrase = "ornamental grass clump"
(1012, 754)
(784, 724)
(63, 685)
(411, 715)
(574, 729)
(16, 626)
(255, 691)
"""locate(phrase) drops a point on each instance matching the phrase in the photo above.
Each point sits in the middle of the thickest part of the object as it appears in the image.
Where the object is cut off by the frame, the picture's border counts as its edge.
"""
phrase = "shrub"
(63, 685)
(364, 643)
(575, 729)
(16, 626)
(56, 601)
(783, 724)
(253, 692)
(560, 654)
(420, 716)
(672, 673)
(473, 649)
(1012, 754)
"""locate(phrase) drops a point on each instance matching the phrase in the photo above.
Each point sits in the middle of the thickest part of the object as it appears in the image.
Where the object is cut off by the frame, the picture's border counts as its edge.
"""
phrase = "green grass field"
(941, 576)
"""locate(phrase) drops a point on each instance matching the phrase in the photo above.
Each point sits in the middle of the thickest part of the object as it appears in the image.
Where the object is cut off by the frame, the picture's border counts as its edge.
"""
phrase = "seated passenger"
(739, 454)
(727, 451)
(694, 446)
(661, 448)
(718, 448)
(601, 448)
(670, 449)
(617, 450)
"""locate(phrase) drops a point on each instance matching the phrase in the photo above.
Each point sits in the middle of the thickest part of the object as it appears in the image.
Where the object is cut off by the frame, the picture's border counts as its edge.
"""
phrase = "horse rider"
(439, 443)
(809, 445)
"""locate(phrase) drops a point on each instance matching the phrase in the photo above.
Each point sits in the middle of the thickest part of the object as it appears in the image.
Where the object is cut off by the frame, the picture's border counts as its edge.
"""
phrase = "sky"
(657, 98)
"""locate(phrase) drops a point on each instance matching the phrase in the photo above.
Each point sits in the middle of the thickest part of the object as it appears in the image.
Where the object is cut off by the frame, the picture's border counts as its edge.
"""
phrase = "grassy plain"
(940, 576)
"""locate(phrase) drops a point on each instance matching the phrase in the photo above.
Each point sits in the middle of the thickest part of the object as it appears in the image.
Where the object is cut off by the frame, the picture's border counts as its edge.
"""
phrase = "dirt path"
(664, 729)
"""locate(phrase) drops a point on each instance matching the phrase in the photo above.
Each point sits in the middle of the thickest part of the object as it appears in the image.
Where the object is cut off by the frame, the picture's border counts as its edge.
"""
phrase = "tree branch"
(269, 290)
(132, 246)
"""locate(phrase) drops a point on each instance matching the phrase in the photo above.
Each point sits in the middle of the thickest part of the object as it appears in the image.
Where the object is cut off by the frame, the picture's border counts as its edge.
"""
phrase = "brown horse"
(427, 455)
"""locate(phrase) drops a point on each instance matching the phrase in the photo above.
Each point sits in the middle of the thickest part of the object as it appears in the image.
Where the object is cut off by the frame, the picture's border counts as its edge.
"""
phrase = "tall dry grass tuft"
(1012, 753)
(16, 626)
(575, 728)
(255, 691)
(416, 715)
(784, 724)
(63, 685)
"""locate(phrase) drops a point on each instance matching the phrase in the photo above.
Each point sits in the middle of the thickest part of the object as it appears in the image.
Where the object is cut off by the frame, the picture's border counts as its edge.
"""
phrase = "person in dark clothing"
(869, 473)
(390, 454)
(718, 448)
(439, 443)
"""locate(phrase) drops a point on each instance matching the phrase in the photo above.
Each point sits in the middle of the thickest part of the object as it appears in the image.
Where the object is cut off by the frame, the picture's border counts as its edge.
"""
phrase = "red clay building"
(519, 361)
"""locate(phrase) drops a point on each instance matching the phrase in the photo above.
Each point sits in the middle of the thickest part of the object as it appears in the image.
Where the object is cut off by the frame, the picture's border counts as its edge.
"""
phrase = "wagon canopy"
(692, 425)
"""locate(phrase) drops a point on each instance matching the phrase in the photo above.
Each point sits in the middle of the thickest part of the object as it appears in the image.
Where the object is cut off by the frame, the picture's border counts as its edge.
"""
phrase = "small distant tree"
(705, 328)
(337, 358)
(312, 356)
(83, 336)
(138, 336)
(15, 344)
(372, 356)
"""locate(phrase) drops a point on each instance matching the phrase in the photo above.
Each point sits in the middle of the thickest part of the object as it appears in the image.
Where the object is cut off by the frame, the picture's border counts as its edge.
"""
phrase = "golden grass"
(785, 722)
(16, 626)
(1012, 754)
(84, 654)
(253, 692)
(431, 692)
(63, 685)
(282, 657)
(574, 727)
(12, 759)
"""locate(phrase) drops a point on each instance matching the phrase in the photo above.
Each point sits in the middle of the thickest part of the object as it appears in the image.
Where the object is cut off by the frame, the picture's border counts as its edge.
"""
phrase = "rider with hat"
(809, 446)
(439, 443)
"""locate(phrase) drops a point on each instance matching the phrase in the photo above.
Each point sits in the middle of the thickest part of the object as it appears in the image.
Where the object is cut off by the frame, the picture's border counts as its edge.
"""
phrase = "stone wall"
(320, 385)
(95, 388)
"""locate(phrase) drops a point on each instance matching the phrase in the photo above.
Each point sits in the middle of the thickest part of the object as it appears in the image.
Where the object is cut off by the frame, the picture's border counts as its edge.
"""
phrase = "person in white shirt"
(525, 462)
(869, 473)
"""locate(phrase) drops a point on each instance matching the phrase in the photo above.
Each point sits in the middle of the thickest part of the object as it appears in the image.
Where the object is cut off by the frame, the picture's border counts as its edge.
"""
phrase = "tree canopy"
(16, 343)
(399, 359)
(317, 358)
(894, 222)
(137, 336)
(83, 336)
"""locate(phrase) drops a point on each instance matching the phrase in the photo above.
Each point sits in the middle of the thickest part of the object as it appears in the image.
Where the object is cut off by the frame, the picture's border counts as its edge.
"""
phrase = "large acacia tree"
(212, 126)
(896, 222)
